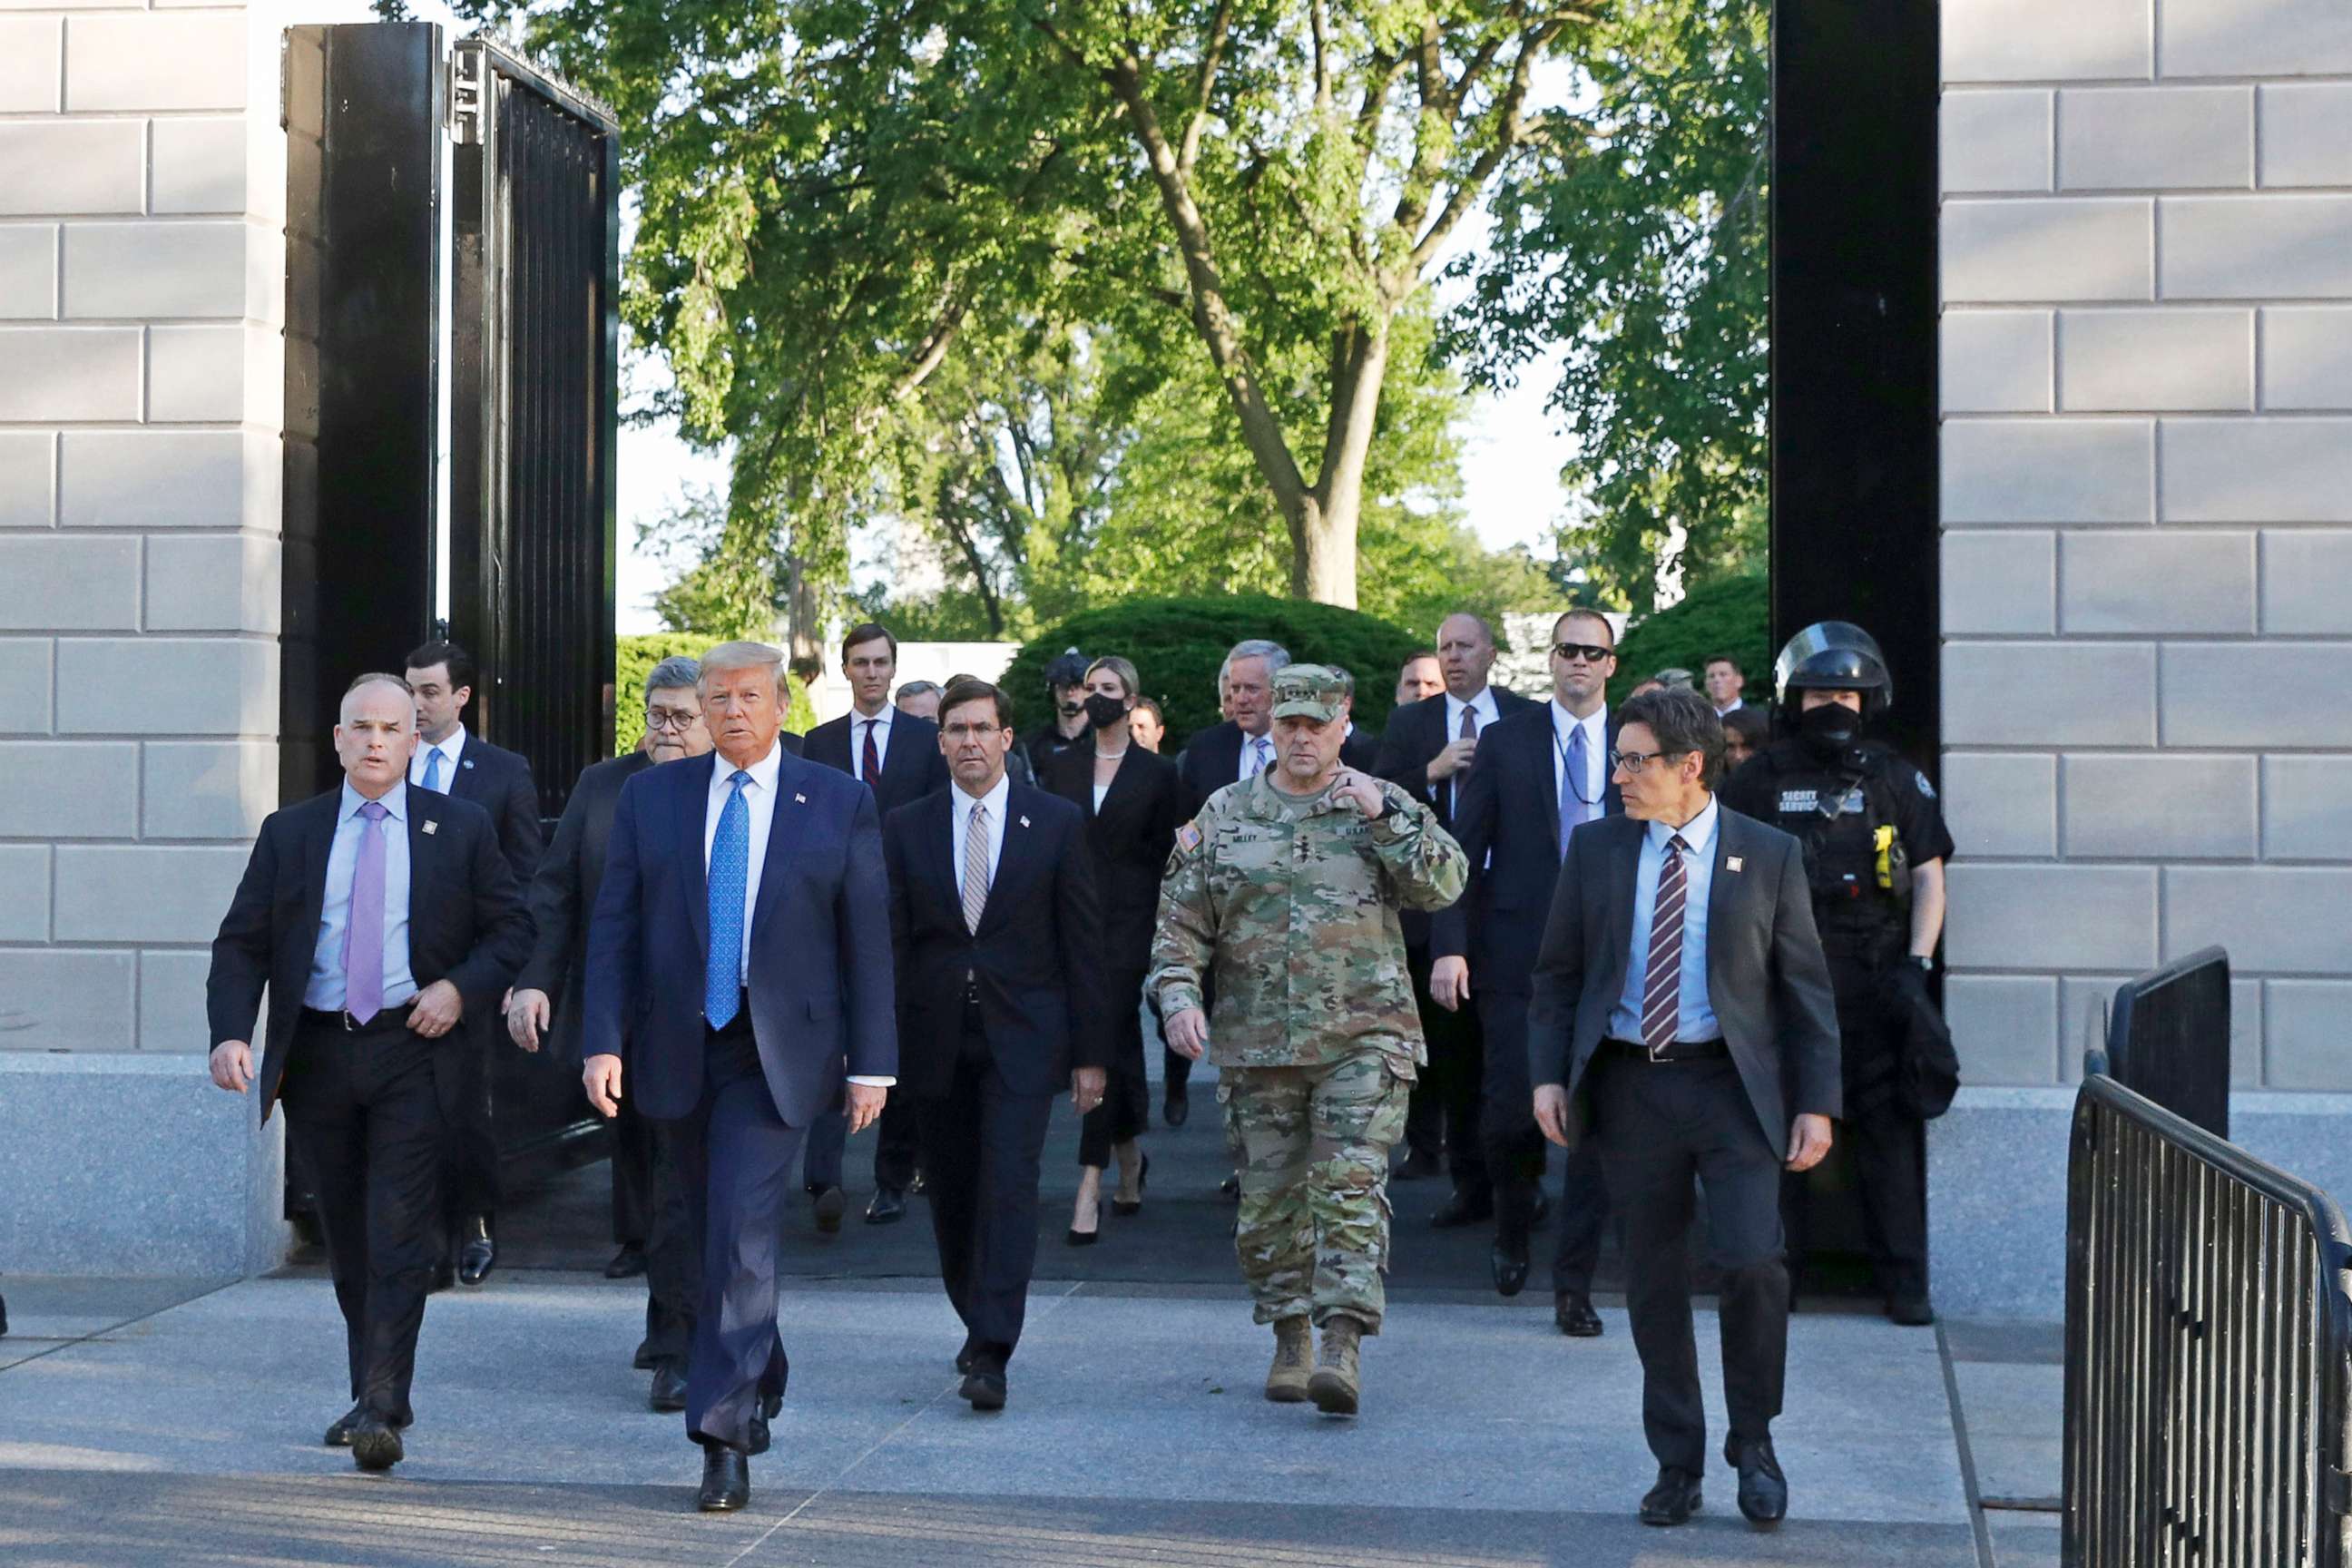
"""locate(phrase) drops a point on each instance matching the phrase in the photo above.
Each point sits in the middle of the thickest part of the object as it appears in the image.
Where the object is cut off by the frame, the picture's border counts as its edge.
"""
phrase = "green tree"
(1637, 237)
(831, 193)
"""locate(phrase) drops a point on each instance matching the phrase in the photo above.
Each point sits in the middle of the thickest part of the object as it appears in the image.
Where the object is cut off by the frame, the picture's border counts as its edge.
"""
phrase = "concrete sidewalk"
(185, 1428)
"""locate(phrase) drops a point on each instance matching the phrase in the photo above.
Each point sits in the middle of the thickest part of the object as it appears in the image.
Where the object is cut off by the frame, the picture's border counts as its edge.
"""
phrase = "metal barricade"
(2167, 1037)
(2206, 1336)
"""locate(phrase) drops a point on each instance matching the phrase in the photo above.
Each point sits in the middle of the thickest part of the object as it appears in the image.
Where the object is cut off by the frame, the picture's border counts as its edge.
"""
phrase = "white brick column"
(2146, 266)
(141, 198)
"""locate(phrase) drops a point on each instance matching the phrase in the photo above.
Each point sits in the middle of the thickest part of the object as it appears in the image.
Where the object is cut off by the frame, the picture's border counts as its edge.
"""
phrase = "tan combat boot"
(1333, 1387)
(1294, 1348)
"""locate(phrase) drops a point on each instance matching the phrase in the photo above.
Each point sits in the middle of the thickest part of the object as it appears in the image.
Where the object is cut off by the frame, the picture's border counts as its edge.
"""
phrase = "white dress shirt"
(1483, 705)
(760, 801)
(1596, 750)
(1252, 764)
(1694, 1019)
(959, 804)
(1737, 704)
(451, 747)
(857, 723)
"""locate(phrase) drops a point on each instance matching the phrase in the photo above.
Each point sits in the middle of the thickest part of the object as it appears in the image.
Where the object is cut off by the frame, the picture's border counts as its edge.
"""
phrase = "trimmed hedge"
(1730, 615)
(1176, 646)
(634, 658)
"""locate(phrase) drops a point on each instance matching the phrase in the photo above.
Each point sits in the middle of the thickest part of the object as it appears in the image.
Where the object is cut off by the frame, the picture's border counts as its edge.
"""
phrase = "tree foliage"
(1729, 615)
(1638, 238)
(834, 195)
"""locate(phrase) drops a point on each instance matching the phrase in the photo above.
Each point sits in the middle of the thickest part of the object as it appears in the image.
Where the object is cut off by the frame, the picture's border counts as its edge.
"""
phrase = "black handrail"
(2208, 1332)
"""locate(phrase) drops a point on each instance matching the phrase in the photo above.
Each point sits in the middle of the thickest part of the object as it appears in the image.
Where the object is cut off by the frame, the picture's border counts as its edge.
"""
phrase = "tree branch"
(1510, 132)
(1319, 18)
(1212, 56)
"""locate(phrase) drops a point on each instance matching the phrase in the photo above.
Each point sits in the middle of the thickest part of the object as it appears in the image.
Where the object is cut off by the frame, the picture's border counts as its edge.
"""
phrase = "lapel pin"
(800, 799)
(431, 825)
(1024, 821)
(467, 763)
(1732, 862)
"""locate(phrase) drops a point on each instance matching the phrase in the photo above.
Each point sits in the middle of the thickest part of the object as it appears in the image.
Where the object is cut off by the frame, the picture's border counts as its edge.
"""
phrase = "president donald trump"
(738, 966)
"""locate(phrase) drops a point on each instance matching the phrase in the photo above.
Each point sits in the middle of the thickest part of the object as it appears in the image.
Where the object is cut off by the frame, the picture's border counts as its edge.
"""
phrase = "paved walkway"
(145, 1422)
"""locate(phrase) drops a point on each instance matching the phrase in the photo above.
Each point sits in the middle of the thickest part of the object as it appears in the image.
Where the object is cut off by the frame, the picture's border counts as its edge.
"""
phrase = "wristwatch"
(1925, 962)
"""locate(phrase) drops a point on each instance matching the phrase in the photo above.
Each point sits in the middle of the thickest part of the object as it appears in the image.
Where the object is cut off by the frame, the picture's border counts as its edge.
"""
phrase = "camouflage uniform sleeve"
(1186, 937)
(1424, 863)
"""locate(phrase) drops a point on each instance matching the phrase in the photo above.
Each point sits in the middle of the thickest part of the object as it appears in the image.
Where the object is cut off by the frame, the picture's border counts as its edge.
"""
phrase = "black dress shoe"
(645, 1360)
(1763, 1489)
(1175, 1106)
(375, 1443)
(1572, 1310)
(667, 1394)
(983, 1385)
(1673, 1499)
(1910, 1309)
(479, 1255)
(966, 1356)
(828, 1208)
(1417, 1165)
(338, 1435)
(1510, 1268)
(1230, 1189)
(1463, 1208)
(889, 1207)
(726, 1480)
(628, 1263)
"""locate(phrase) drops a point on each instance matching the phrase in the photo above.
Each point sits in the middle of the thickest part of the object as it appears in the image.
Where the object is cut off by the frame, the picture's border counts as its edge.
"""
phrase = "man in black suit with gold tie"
(1683, 1020)
(896, 755)
(995, 922)
(378, 917)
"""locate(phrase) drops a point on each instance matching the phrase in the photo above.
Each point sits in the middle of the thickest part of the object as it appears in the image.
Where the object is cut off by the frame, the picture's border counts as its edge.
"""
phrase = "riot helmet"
(1833, 655)
(1067, 669)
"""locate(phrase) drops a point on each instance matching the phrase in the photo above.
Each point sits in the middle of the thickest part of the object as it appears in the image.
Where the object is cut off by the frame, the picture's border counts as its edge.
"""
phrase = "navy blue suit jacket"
(499, 782)
(1509, 805)
(912, 768)
(821, 980)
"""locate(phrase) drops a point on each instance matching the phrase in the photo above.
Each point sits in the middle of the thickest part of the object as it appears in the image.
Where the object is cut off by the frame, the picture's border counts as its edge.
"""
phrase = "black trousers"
(1888, 1147)
(673, 1257)
(470, 1181)
(1126, 1109)
(735, 1156)
(634, 1138)
(1658, 1126)
(983, 1148)
(1516, 1151)
(364, 1122)
(1443, 1110)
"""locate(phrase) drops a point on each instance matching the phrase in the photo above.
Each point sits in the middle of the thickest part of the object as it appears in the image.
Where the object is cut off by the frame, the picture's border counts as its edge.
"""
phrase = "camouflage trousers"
(1311, 1145)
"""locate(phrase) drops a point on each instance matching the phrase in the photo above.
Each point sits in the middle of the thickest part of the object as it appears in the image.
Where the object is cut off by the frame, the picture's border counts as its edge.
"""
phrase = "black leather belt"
(1680, 1051)
(343, 1021)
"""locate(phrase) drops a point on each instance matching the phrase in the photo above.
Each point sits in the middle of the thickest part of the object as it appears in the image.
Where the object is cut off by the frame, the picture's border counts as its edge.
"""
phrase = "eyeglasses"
(974, 731)
(676, 719)
(1634, 762)
(1590, 653)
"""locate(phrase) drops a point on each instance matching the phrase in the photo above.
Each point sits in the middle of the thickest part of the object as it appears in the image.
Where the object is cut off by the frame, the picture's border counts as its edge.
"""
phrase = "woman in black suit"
(1129, 797)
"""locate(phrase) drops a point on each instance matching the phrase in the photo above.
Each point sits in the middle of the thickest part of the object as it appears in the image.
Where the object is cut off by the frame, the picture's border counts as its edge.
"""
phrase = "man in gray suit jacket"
(1714, 1055)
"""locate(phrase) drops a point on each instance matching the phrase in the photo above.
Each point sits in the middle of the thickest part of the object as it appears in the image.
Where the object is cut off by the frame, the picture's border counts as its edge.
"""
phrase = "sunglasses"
(1590, 653)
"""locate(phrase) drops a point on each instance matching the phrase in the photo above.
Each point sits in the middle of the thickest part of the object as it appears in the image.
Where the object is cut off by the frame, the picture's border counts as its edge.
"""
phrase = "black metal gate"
(534, 340)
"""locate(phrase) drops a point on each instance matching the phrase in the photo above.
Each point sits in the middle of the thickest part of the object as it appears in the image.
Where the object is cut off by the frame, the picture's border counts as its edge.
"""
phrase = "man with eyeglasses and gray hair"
(647, 1213)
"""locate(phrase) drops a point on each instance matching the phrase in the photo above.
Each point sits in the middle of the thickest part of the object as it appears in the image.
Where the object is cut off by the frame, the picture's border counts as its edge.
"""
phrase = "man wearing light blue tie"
(738, 967)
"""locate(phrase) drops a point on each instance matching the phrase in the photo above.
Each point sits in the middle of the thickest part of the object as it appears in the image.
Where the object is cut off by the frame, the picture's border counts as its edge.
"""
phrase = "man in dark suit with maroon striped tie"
(1682, 1019)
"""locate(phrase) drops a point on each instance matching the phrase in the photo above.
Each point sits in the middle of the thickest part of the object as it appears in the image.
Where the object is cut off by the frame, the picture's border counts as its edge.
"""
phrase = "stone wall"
(2147, 264)
(141, 193)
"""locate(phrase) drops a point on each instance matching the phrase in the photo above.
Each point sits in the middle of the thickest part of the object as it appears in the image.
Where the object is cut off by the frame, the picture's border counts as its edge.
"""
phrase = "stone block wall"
(2147, 364)
(141, 200)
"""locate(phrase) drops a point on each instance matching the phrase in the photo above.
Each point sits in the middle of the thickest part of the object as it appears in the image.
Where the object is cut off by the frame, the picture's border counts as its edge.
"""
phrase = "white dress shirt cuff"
(873, 1082)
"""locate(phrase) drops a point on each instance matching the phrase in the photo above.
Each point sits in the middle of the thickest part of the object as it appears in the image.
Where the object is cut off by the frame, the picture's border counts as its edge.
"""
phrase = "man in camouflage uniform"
(1286, 888)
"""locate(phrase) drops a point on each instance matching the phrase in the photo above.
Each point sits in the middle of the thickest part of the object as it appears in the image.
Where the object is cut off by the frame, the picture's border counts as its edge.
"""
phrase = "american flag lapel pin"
(1732, 862)
(1024, 821)
(467, 763)
(431, 826)
(800, 800)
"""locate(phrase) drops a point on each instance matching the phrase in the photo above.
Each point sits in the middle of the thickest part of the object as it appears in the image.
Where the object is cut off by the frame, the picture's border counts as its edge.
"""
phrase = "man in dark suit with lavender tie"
(378, 917)
(1683, 1022)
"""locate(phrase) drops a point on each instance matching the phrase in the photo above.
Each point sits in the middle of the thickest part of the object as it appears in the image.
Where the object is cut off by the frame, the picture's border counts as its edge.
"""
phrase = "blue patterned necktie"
(730, 868)
(432, 770)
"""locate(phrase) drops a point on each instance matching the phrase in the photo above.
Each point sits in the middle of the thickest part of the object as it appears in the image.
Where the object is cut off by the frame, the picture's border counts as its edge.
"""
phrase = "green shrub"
(1177, 644)
(634, 658)
(1730, 615)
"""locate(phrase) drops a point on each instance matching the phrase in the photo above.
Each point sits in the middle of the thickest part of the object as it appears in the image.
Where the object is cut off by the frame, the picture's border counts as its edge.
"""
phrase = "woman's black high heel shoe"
(1125, 1207)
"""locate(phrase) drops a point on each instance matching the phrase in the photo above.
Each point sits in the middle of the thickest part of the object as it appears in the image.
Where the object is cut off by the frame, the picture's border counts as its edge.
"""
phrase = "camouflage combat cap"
(1313, 691)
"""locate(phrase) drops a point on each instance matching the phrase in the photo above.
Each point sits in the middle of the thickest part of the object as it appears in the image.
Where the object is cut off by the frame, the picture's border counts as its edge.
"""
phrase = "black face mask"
(1102, 712)
(1829, 730)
